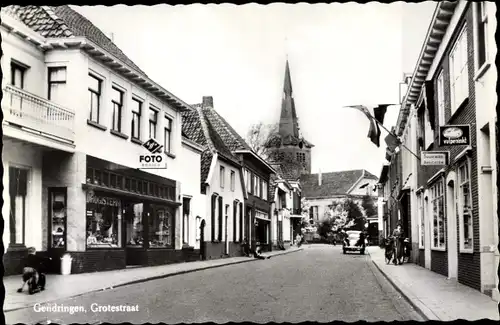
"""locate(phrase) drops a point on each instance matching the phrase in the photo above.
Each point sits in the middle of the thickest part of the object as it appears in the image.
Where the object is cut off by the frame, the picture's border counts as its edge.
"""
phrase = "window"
(198, 224)
(136, 118)
(459, 80)
(58, 219)
(167, 135)
(117, 103)
(428, 132)
(440, 98)
(421, 222)
(221, 176)
(134, 226)
(248, 180)
(256, 186)
(57, 84)
(465, 207)
(438, 225)
(215, 219)
(160, 227)
(240, 224)
(153, 119)
(18, 192)
(235, 222)
(219, 221)
(482, 32)
(313, 214)
(17, 73)
(103, 222)
(95, 97)
(264, 190)
(233, 180)
(185, 219)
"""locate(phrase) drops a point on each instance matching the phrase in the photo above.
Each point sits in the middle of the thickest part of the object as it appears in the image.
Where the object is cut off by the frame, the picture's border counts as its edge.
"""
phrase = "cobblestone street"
(316, 284)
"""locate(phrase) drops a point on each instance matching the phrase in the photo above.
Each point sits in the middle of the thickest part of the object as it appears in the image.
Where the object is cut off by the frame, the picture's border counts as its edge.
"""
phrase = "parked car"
(354, 241)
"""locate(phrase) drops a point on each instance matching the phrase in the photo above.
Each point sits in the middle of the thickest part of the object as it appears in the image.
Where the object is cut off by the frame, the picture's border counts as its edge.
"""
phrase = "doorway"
(451, 216)
(427, 230)
(57, 225)
(133, 236)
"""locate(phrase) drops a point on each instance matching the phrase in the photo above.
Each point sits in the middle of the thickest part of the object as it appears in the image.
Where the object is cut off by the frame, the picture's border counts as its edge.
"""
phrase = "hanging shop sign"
(435, 158)
(153, 157)
(454, 135)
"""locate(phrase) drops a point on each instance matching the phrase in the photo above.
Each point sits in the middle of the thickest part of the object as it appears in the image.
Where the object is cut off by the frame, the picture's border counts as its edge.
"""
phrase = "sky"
(339, 54)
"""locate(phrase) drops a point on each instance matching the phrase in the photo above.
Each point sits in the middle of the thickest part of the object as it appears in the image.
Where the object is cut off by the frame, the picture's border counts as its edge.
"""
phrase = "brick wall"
(468, 264)
(95, 260)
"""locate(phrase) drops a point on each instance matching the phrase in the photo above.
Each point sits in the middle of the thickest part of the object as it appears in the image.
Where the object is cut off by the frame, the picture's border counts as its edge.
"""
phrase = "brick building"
(454, 231)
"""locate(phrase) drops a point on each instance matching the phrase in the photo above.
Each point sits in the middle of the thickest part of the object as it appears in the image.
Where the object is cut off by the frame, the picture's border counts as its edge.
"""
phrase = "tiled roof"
(204, 127)
(62, 22)
(277, 140)
(336, 183)
(231, 138)
(287, 170)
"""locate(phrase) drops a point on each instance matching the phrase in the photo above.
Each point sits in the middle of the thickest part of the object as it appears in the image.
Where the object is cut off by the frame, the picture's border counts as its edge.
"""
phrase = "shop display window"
(103, 222)
(58, 213)
(135, 237)
(161, 228)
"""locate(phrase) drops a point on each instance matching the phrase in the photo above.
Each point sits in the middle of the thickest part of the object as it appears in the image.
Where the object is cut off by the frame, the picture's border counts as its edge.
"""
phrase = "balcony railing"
(32, 112)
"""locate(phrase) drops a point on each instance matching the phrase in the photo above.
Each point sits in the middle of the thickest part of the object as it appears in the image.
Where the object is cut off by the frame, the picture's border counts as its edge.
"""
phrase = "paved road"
(316, 284)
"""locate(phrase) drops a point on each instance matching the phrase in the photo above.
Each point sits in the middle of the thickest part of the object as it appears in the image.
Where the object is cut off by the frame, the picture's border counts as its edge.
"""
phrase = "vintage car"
(354, 241)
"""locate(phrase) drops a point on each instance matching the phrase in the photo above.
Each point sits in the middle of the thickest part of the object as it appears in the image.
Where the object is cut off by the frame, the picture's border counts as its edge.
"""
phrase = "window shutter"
(214, 198)
(221, 214)
(235, 218)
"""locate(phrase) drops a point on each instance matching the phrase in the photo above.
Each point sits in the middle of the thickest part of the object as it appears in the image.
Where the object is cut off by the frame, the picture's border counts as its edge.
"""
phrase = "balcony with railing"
(38, 115)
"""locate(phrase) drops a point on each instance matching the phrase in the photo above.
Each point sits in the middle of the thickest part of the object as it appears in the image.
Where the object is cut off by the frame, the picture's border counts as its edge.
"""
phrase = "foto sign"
(154, 158)
(435, 158)
(454, 135)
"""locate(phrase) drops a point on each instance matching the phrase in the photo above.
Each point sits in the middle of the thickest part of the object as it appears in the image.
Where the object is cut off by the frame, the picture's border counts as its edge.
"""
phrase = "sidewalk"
(436, 297)
(61, 287)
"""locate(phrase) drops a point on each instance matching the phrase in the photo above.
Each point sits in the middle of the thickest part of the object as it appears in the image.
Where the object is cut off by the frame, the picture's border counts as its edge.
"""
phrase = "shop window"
(18, 190)
(421, 222)
(162, 192)
(465, 207)
(134, 226)
(133, 185)
(97, 177)
(127, 184)
(438, 221)
(145, 188)
(103, 222)
(119, 181)
(161, 228)
(139, 187)
(58, 219)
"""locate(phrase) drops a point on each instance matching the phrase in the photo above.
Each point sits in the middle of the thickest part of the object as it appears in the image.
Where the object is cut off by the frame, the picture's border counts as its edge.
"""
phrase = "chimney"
(319, 178)
(112, 37)
(208, 101)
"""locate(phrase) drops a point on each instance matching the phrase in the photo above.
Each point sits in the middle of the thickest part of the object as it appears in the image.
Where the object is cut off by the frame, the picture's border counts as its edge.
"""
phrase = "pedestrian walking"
(398, 244)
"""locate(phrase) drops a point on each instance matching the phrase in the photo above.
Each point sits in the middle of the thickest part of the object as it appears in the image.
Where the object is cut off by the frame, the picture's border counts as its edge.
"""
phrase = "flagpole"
(392, 134)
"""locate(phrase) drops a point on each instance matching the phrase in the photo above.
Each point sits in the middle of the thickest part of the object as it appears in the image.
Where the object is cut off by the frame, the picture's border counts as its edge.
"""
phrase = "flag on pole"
(375, 117)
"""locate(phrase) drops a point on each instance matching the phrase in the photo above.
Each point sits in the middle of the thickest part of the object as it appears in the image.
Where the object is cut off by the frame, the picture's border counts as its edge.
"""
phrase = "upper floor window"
(482, 32)
(17, 73)
(256, 186)
(117, 103)
(249, 181)
(222, 172)
(437, 216)
(465, 207)
(136, 118)
(95, 85)
(264, 190)
(57, 84)
(153, 119)
(459, 77)
(440, 99)
(167, 134)
(233, 180)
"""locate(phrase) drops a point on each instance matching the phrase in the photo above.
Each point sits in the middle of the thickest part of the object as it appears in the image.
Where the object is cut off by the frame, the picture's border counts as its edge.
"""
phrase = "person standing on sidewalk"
(398, 244)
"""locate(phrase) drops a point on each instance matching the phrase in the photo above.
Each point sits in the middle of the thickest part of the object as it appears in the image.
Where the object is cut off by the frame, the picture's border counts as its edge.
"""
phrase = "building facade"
(454, 203)
(77, 112)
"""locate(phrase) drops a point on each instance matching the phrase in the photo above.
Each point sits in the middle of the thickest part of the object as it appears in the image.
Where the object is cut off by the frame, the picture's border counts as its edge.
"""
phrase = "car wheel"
(362, 252)
(344, 251)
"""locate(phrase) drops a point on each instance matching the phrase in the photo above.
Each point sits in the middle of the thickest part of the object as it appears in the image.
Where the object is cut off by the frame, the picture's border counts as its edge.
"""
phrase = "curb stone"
(152, 279)
(423, 310)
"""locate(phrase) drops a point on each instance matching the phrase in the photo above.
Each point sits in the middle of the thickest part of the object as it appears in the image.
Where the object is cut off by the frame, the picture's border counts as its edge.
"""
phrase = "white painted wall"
(30, 157)
(356, 190)
(189, 178)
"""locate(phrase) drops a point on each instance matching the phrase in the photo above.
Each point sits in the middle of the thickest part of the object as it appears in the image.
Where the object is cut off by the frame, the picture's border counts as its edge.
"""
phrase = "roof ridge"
(204, 127)
(50, 12)
(232, 131)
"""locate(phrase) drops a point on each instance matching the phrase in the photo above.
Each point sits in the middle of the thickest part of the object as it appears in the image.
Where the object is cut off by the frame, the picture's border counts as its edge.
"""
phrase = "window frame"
(167, 129)
(138, 115)
(433, 198)
(232, 177)
(58, 82)
(115, 104)
(26, 203)
(481, 18)
(421, 220)
(15, 65)
(467, 165)
(153, 112)
(185, 219)
(441, 98)
(222, 174)
(98, 93)
(462, 40)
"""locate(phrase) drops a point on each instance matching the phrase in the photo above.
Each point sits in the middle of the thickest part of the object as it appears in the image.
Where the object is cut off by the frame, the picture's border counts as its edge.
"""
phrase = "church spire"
(288, 120)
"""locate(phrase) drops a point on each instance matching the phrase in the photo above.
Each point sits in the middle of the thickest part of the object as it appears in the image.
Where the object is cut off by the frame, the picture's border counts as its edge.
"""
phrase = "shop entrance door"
(133, 236)
(57, 226)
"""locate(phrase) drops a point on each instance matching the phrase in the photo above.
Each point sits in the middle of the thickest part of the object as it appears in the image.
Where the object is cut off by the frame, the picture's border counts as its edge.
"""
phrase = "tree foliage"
(258, 134)
(347, 213)
(368, 204)
(325, 227)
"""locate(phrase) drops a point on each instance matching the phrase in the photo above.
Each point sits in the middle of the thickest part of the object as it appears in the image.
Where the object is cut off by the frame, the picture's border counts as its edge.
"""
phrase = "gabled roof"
(200, 125)
(287, 170)
(62, 22)
(335, 183)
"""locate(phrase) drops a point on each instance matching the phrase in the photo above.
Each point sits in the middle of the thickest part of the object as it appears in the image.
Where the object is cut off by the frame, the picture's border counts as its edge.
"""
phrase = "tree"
(257, 136)
(355, 217)
(369, 206)
(325, 227)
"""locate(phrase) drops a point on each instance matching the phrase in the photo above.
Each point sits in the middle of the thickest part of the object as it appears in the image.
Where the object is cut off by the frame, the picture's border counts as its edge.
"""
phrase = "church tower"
(288, 148)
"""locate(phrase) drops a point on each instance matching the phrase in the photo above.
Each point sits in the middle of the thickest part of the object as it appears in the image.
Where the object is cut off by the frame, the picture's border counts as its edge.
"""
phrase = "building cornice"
(193, 145)
(440, 21)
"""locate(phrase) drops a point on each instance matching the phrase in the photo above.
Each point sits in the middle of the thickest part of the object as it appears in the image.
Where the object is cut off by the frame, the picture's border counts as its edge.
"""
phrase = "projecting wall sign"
(454, 135)
(435, 158)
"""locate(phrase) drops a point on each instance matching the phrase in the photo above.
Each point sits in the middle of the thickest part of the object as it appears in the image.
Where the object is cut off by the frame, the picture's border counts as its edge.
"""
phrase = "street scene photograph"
(250, 163)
